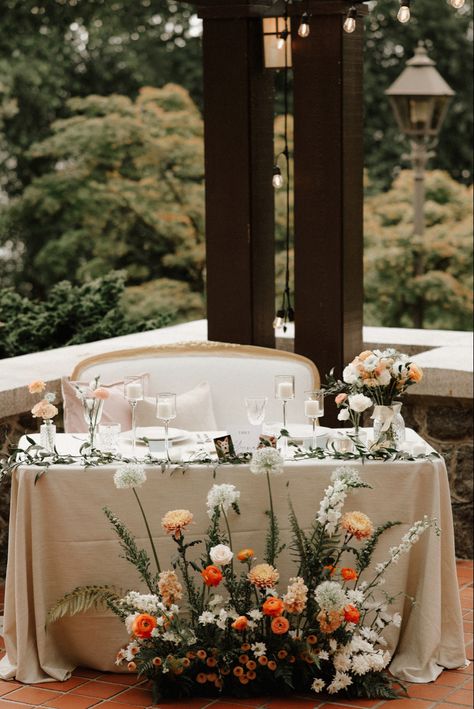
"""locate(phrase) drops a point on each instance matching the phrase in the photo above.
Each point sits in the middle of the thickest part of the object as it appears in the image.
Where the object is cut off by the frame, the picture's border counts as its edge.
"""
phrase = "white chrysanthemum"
(171, 637)
(355, 597)
(223, 496)
(323, 655)
(221, 554)
(340, 681)
(361, 664)
(258, 649)
(129, 620)
(206, 618)
(369, 634)
(318, 685)
(359, 644)
(330, 596)
(129, 475)
(266, 460)
(342, 662)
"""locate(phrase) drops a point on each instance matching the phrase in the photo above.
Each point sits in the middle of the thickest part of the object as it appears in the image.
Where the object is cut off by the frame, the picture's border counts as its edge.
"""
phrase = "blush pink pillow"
(116, 408)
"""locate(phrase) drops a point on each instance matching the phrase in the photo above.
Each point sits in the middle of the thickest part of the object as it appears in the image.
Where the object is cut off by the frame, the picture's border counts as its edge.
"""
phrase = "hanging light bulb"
(279, 319)
(303, 29)
(457, 4)
(277, 180)
(404, 11)
(282, 39)
(350, 21)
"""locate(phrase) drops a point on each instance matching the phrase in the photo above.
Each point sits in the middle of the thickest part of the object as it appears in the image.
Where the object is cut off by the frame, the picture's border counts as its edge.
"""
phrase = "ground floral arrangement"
(219, 623)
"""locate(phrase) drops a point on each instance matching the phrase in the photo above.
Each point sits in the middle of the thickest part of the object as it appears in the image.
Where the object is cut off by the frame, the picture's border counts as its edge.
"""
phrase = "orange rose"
(143, 625)
(415, 373)
(212, 575)
(273, 606)
(280, 625)
(351, 614)
(245, 554)
(348, 574)
(240, 623)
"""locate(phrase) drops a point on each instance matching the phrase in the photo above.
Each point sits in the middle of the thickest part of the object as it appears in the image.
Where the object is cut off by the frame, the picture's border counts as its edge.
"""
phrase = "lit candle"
(312, 409)
(164, 410)
(285, 390)
(134, 391)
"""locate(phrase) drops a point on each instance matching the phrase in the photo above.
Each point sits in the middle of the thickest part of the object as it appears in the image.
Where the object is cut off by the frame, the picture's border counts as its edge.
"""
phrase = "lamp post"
(420, 98)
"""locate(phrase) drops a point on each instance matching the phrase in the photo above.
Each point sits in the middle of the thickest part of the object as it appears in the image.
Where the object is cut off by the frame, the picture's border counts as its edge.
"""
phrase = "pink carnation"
(100, 393)
(36, 386)
(44, 410)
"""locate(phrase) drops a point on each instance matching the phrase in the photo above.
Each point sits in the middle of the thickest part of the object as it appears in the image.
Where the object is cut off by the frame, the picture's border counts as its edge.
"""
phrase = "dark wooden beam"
(238, 120)
(328, 158)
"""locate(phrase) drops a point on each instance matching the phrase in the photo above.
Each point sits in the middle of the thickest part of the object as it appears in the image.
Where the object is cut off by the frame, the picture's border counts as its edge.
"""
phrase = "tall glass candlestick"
(166, 412)
(314, 409)
(133, 392)
(284, 391)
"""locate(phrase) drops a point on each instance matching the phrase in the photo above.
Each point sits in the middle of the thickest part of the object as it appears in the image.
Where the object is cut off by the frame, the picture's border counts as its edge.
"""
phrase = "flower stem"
(229, 535)
(148, 530)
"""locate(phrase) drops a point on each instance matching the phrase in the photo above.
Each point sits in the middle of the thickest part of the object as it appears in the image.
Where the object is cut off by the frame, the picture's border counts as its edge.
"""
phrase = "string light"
(404, 11)
(350, 21)
(303, 29)
(282, 39)
(277, 180)
(457, 4)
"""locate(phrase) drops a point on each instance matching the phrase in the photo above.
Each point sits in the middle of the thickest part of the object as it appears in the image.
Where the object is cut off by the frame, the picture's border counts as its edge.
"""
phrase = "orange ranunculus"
(340, 398)
(212, 575)
(240, 623)
(101, 393)
(143, 625)
(351, 614)
(245, 554)
(348, 574)
(415, 373)
(280, 625)
(273, 606)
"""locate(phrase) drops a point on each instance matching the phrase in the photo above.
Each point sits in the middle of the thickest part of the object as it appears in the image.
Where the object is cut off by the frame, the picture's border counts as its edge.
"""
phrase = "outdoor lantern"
(420, 97)
(276, 41)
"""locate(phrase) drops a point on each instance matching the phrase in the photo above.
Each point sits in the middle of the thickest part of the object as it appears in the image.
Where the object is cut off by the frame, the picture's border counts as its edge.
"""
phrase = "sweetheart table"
(60, 539)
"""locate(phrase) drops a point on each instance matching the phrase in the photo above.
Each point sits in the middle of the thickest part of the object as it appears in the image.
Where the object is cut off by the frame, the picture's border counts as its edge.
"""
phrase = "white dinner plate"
(157, 433)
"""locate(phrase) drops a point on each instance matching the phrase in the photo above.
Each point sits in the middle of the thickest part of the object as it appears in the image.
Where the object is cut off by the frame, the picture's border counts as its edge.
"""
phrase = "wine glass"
(166, 412)
(314, 409)
(255, 407)
(284, 391)
(133, 392)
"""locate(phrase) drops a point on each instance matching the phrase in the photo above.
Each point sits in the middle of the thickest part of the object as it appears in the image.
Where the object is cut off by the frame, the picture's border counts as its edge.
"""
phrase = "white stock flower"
(221, 554)
(343, 415)
(222, 496)
(330, 596)
(396, 620)
(129, 475)
(359, 402)
(258, 649)
(206, 618)
(266, 460)
(340, 681)
(318, 685)
(129, 620)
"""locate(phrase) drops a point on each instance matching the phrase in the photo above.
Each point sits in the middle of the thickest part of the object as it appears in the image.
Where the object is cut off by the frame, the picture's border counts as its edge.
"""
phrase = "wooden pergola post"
(328, 166)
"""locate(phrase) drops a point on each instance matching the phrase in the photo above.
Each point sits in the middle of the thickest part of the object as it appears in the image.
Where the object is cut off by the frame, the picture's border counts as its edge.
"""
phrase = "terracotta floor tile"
(355, 702)
(31, 695)
(451, 678)
(72, 701)
(128, 679)
(94, 688)
(135, 697)
(84, 672)
(461, 696)
(407, 704)
(429, 691)
(222, 704)
(445, 705)
(5, 704)
(290, 703)
(63, 686)
(195, 703)
(9, 686)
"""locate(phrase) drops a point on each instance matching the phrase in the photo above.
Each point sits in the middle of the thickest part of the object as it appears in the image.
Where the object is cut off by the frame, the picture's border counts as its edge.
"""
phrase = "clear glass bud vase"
(48, 435)
(389, 426)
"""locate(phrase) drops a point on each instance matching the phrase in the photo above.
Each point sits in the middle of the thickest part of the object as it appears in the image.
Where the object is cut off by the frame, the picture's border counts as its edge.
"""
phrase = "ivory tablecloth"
(60, 539)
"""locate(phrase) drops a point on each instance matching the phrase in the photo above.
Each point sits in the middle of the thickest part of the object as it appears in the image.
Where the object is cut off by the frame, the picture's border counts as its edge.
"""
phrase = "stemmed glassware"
(166, 412)
(255, 407)
(284, 391)
(314, 409)
(133, 392)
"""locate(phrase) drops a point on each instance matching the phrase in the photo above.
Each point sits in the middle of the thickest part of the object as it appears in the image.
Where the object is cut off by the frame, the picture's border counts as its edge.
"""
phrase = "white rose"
(359, 402)
(343, 415)
(384, 377)
(221, 554)
(350, 374)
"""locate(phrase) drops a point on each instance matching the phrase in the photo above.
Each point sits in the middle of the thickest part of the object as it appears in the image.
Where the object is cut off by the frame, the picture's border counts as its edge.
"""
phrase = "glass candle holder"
(314, 409)
(284, 391)
(166, 412)
(109, 437)
(133, 392)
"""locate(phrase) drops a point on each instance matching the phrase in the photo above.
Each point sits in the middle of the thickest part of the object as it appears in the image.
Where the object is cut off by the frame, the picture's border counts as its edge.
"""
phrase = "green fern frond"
(137, 557)
(80, 600)
(365, 554)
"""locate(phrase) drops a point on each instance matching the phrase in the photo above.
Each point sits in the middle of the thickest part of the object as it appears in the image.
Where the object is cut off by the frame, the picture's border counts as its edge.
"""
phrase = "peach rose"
(101, 393)
(340, 398)
(44, 410)
(240, 623)
(272, 606)
(415, 373)
(280, 625)
(143, 625)
(36, 386)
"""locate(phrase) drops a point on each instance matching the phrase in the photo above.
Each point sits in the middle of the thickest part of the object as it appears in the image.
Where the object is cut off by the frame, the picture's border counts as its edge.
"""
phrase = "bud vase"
(48, 435)
(92, 415)
(389, 426)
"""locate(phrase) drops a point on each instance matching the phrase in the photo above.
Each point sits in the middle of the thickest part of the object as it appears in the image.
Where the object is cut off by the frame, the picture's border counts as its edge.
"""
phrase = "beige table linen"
(60, 539)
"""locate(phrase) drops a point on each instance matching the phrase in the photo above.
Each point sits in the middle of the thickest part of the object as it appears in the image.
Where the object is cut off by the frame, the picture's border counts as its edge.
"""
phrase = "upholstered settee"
(232, 372)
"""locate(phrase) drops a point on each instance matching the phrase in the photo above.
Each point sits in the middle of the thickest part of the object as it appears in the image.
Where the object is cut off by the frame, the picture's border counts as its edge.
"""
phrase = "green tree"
(51, 50)
(447, 34)
(126, 192)
(392, 288)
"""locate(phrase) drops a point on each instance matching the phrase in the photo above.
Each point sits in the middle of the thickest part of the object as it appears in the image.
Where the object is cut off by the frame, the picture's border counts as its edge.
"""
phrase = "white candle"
(164, 410)
(312, 409)
(134, 391)
(285, 390)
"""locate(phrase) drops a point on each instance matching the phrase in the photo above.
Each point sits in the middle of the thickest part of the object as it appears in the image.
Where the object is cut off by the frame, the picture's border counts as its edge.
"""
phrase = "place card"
(245, 438)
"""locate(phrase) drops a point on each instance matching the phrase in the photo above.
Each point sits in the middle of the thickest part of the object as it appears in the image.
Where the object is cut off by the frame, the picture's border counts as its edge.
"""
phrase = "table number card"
(245, 438)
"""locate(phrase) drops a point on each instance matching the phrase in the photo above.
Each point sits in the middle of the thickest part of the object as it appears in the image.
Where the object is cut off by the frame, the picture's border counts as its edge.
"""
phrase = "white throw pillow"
(194, 410)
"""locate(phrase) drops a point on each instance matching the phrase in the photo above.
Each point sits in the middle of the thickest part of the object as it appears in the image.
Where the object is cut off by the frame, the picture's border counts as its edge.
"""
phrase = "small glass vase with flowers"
(44, 409)
(92, 397)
